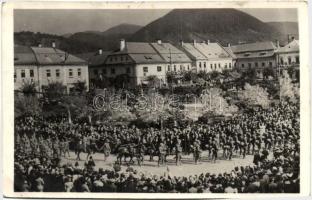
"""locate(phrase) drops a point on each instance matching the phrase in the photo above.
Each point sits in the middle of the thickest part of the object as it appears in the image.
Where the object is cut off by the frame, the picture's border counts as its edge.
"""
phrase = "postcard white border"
(8, 94)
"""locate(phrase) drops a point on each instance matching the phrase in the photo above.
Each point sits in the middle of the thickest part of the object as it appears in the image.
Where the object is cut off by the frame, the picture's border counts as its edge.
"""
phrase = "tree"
(153, 81)
(80, 87)
(215, 103)
(254, 95)
(268, 72)
(29, 88)
(287, 88)
(25, 105)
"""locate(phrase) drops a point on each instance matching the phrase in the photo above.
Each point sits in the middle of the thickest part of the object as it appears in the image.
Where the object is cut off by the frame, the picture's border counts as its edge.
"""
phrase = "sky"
(71, 21)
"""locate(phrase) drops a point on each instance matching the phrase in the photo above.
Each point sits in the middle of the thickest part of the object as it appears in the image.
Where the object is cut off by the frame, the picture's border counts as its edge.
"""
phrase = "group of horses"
(129, 153)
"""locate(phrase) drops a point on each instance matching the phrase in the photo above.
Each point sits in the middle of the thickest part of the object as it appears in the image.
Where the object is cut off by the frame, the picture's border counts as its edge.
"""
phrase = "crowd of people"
(40, 144)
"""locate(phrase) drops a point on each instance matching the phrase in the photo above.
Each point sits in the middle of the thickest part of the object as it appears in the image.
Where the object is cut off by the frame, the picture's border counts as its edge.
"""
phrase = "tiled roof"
(230, 52)
(137, 47)
(212, 50)
(141, 53)
(194, 53)
(94, 59)
(262, 54)
(257, 46)
(24, 55)
(52, 56)
(146, 58)
(170, 53)
(293, 46)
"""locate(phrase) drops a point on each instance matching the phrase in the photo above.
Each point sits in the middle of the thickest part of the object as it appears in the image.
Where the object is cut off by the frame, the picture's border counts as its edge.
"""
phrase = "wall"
(217, 65)
(152, 70)
(285, 57)
(19, 81)
(63, 75)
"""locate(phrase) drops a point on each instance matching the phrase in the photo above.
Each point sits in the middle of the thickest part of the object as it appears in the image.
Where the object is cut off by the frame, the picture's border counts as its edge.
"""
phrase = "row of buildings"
(134, 62)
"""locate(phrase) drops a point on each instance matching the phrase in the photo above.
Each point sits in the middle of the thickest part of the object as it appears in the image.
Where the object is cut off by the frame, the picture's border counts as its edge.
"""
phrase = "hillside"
(222, 25)
(287, 29)
(108, 39)
(66, 44)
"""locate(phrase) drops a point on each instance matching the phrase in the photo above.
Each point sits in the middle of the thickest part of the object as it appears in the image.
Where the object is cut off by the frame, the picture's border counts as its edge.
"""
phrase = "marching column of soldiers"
(241, 135)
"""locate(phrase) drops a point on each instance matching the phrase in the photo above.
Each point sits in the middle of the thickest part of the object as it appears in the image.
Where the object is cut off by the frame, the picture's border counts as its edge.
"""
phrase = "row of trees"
(149, 107)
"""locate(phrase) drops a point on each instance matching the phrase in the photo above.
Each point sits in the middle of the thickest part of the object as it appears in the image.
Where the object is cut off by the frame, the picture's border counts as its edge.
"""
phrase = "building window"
(159, 68)
(31, 73)
(211, 66)
(230, 65)
(263, 64)
(48, 72)
(215, 65)
(289, 60)
(104, 71)
(219, 65)
(57, 73)
(249, 65)
(282, 61)
(204, 64)
(95, 72)
(180, 67)
(145, 69)
(297, 60)
(200, 64)
(111, 59)
(126, 57)
(113, 71)
(243, 65)
(271, 64)
(14, 76)
(225, 65)
(23, 73)
(174, 68)
(256, 64)
(70, 73)
(79, 72)
(121, 58)
(128, 70)
(188, 67)
(169, 68)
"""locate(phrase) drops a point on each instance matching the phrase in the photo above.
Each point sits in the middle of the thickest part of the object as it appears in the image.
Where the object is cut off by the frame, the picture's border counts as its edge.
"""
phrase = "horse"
(125, 151)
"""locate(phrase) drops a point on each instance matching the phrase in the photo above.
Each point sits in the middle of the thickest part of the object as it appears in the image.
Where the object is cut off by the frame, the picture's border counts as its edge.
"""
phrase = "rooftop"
(44, 56)
(250, 47)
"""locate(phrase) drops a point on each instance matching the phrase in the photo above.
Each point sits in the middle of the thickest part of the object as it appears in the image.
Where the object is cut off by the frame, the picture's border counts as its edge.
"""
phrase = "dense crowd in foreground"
(39, 145)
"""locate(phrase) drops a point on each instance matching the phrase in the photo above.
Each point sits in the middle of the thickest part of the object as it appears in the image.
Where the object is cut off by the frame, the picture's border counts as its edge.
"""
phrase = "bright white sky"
(71, 21)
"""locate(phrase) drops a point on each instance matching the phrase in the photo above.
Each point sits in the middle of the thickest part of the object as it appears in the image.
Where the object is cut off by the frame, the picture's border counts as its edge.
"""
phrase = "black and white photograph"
(175, 100)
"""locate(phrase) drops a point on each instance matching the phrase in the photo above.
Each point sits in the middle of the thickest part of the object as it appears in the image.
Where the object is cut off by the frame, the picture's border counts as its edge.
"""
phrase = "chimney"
(53, 45)
(100, 51)
(208, 41)
(122, 44)
(158, 41)
(194, 42)
(39, 45)
(229, 44)
(277, 44)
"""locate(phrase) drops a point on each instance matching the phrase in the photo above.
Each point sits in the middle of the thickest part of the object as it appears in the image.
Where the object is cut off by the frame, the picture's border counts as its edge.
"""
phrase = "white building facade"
(44, 65)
